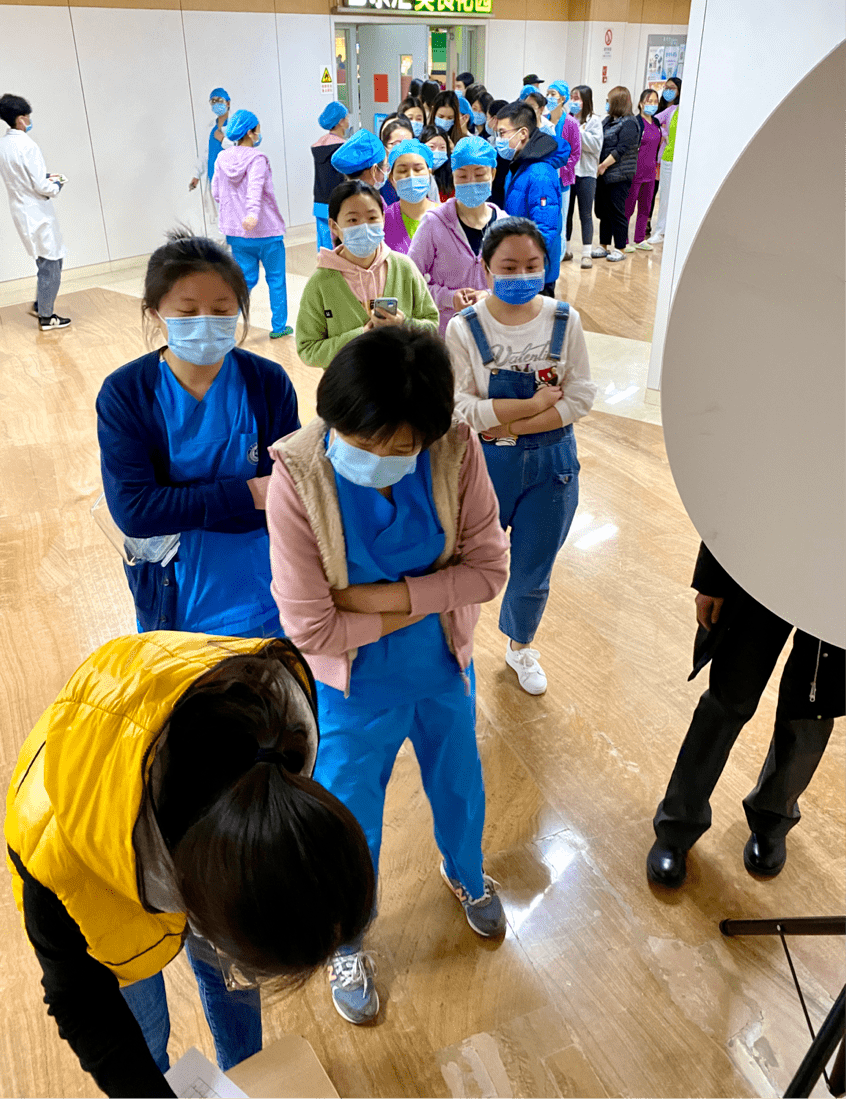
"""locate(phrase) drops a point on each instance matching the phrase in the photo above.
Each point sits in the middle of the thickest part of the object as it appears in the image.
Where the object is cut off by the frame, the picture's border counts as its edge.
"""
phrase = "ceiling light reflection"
(582, 519)
(622, 394)
(601, 534)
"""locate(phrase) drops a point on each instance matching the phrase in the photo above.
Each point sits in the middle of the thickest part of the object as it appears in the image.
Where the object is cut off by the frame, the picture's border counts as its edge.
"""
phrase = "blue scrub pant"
(234, 1018)
(359, 743)
(324, 236)
(537, 485)
(270, 252)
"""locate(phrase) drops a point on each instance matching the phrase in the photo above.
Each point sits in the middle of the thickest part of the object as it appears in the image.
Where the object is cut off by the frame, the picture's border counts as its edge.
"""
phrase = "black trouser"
(611, 211)
(740, 670)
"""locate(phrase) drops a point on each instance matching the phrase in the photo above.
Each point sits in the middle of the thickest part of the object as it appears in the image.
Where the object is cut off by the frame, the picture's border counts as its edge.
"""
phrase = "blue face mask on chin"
(517, 289)
(220, 108)
(413, 188)
(366, 469)
(201, 341)
(439, 159)
(363, 240)
(444, 124)
(473, 194)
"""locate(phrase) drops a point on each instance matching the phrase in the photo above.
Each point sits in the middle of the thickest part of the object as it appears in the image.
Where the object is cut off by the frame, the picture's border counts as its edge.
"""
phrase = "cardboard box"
(287, 1069)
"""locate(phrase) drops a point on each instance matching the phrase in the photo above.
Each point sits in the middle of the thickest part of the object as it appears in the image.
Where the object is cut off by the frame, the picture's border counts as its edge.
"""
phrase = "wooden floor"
(601, 986)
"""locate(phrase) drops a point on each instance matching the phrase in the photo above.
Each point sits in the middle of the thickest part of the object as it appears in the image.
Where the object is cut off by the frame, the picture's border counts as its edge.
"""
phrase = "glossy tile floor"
(602, 985)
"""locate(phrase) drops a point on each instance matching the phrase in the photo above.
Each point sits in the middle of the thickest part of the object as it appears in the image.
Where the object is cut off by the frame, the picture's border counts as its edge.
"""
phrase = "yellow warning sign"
(327, 76)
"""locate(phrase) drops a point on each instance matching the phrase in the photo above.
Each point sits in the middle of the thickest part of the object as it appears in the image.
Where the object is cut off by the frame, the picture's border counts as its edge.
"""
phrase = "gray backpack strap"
(476, 331)
(559, 330)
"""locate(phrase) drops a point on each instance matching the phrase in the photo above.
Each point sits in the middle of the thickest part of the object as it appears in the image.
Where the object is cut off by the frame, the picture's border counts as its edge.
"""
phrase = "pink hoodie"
(366, 283)
(243, 185)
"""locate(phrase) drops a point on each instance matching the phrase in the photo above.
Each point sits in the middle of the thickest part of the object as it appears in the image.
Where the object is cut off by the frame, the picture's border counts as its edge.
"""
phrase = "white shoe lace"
(349, 969)
(465, 898)
(528, 658)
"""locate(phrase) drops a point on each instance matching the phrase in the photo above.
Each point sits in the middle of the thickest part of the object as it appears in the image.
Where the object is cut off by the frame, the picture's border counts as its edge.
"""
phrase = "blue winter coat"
(533, 190)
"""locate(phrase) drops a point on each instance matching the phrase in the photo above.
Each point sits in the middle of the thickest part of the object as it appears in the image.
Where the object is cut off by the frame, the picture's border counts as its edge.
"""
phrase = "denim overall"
(536, 479)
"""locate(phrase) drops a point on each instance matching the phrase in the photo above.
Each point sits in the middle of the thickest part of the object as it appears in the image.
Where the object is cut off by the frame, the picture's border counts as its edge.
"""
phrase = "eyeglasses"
(237, 977)
(214, 102)
(505, 133)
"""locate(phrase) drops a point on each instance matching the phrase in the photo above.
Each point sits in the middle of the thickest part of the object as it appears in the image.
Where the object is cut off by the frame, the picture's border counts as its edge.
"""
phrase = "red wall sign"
(380, 87)
(604, 74)
(608, 37)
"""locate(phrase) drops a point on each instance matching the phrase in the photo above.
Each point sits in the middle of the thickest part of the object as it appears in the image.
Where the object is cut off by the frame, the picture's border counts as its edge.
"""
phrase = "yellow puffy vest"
(76, 791)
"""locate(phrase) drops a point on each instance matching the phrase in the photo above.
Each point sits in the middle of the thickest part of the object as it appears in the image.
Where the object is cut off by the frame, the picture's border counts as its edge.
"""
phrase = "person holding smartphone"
(339, 300)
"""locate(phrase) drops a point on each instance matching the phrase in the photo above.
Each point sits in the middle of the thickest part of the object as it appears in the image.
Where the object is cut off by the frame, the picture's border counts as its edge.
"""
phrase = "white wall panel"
(50, 81)
(725, 38)
(305, 45)
(380, 48)
(545, 51)
(237, 51)
(505, 57)
(135, 82)
(574, 67)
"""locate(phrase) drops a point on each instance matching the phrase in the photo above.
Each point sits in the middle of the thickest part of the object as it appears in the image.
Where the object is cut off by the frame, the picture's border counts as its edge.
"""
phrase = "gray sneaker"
(484, 914)
(353, 990)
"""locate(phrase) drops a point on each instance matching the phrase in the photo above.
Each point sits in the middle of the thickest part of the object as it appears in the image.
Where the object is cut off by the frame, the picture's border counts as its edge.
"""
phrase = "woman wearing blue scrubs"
(184, 433)
(384, 541)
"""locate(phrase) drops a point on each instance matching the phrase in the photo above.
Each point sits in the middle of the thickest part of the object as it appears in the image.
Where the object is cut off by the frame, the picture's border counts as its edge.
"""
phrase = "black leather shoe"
(764, 856)
(666, 866)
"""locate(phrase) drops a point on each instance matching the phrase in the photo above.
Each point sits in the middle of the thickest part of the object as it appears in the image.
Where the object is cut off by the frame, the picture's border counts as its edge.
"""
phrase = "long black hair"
(271, 867)
(677, 80)
(586, 96)
(443, 175)
(448, 99)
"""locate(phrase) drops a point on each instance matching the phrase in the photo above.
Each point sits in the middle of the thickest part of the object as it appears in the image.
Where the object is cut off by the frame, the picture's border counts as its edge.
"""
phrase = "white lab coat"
(24, 172)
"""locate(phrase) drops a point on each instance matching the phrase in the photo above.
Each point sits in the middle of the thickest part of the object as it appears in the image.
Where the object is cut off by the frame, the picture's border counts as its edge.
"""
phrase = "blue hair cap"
(411, 146)
(219, 93)
(331, 115)
(473, 150)
(239, 124)
(464, 105)
(560, 86)
(527, 90)
(361, 152)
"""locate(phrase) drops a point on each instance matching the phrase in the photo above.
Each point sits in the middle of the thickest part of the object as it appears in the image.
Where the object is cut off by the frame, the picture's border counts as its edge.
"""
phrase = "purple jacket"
(396, 234)
(243, 185)
(445, 259)
(568, 128)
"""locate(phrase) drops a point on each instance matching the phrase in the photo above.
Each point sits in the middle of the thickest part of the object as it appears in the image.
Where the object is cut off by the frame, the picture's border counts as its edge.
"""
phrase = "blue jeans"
(234, 1018)
(270, 252)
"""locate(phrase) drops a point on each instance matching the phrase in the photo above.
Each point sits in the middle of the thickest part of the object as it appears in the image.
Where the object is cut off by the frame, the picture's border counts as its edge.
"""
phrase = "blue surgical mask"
(366, 469)
(574, 106)
(444, 124)
(607, 106)
(479, 118)
(417, 127)
(413, 188)
(380, 183)
(220, 108)
(439, 159)
(504, 149)
(257, 141)
(201, 340)
(29, 127)
(363, 240)
(552, 103)
(473, 194)
(517, 289)
(491, 129)
(650, 108)
(669, 94)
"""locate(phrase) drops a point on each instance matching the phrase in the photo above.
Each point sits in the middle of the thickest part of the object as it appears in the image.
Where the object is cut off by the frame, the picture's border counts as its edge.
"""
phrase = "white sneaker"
(529, 672)
(656, 238)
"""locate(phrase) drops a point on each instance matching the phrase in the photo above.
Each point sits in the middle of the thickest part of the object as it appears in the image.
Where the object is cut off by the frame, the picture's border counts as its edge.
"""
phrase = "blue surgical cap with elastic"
(473, 150)
(411, 146)
(361, 152)
(463, 105)
(241, 123)
(560, 86)
(527, 90)
(219, 93)
(331, 115)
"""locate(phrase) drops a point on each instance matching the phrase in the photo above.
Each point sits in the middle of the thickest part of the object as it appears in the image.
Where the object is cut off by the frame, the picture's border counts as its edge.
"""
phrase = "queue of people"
(307, 595)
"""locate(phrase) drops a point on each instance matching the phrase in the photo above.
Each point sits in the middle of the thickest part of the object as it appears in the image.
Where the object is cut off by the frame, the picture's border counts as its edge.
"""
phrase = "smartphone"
(385, 305)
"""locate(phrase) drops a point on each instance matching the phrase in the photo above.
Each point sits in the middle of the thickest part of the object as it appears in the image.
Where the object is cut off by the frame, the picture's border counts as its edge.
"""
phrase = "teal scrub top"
(223, 580)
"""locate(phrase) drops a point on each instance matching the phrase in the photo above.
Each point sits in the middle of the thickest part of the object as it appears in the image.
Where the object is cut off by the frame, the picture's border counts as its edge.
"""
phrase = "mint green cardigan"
(320, 338)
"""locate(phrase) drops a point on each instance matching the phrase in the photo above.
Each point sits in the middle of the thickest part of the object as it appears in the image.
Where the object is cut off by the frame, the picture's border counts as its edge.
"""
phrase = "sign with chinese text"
(426, 7)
